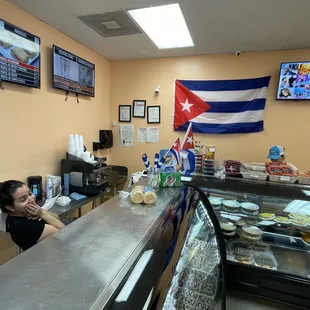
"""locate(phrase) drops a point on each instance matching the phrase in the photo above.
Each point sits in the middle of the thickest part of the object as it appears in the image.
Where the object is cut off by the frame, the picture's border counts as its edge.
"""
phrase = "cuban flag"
(175, 150)
(188, 146)
(220, 107)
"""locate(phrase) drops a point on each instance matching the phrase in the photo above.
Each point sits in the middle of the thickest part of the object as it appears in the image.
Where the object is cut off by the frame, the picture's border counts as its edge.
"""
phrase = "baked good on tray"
(19, 54)
(5, 39)
(267, 216)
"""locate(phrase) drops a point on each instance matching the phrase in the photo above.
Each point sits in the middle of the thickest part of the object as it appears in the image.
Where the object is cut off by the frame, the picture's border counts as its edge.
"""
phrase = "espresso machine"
(85, 178)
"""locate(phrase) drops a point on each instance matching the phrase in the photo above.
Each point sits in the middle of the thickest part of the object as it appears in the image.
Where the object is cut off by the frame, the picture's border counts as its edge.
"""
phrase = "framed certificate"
(153, 114)
(124, 113)
(139, 108)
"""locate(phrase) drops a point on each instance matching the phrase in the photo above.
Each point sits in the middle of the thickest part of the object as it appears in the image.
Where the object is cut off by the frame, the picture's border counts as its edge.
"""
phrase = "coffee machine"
(86, 178)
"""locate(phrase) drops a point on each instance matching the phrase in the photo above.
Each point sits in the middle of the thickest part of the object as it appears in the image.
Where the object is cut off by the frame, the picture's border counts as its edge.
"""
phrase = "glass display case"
(198, 281)
(266, 228)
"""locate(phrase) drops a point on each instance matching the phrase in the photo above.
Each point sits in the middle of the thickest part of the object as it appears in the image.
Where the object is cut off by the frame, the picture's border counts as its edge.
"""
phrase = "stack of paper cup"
(78, 153)
(77, 141)
(81, 144)
(71, 145)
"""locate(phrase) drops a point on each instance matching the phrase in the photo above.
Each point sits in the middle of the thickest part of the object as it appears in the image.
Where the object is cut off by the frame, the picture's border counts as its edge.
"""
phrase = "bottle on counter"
(49, 188)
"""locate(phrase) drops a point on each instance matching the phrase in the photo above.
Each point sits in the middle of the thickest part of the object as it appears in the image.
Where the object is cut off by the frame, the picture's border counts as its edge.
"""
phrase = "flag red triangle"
(186, 105)
(188, 142)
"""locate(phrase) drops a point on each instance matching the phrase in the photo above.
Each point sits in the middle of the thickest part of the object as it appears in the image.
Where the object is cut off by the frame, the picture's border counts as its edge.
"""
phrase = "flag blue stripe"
(236, 107)
(175, 155)
(226, 85)
(225, 128)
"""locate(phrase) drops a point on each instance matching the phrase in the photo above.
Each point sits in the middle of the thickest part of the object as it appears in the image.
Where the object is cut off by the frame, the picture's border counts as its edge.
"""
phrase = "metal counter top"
(80, 266)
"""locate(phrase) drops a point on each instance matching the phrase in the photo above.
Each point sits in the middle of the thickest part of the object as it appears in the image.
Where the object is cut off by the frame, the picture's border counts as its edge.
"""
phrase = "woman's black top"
(25, 233)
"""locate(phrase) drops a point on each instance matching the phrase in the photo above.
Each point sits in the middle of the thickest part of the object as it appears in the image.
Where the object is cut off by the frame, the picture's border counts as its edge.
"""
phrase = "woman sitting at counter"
(26, 222)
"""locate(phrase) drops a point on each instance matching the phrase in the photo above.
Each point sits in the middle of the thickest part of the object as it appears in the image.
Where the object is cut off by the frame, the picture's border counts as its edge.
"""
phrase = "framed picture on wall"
(124, 113)
(139, 107)
(153, 114)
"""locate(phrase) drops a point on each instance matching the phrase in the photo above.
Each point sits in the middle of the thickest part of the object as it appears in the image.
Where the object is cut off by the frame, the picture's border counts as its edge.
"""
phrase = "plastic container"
(63, 201)
(265, 260)
(49, 188)
(254, 175)
(215, 203)
(66, 184)
(240, 247)
(249, 208)
(231, 205)
(243, 258)
(303, 180)
(250, 232)
(282, 179)
(260, 247)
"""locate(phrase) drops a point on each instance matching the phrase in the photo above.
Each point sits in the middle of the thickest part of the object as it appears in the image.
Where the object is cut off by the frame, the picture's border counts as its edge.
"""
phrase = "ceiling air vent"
(111, 24)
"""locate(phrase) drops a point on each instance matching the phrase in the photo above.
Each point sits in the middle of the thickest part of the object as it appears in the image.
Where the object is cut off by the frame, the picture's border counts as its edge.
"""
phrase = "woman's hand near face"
(33, 211)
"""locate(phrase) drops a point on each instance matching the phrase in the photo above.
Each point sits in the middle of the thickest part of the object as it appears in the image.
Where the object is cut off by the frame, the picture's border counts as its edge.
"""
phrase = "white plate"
(252, 230)
(228, 227)
(215, 201)
(249, 206)
(231, 204)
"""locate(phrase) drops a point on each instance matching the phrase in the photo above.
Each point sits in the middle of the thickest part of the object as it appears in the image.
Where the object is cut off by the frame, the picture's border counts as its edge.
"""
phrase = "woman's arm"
(53, 214)
(51, 220)
(47, 231)
(34, 210)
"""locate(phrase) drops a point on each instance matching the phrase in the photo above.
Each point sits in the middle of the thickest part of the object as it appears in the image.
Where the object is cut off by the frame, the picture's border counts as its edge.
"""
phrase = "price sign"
(254, 176)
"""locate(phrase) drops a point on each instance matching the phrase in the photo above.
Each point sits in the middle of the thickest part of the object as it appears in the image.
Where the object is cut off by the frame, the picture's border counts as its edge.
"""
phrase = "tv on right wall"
(294, 81)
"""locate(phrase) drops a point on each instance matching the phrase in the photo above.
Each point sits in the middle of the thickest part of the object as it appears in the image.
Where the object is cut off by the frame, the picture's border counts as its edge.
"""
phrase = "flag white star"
(175, 145)
(186, 106)
(190, 140)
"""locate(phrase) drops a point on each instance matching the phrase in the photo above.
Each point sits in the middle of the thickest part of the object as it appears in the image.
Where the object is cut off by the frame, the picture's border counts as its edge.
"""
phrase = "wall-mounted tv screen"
(73, 73)
(294, 82)
(19, 55)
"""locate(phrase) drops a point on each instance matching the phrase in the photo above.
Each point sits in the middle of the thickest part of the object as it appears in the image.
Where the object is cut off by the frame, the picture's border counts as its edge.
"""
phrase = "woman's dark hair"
(7, 189)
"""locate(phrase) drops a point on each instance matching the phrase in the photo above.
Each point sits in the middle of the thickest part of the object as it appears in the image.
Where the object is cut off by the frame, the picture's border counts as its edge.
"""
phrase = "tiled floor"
(237, 301)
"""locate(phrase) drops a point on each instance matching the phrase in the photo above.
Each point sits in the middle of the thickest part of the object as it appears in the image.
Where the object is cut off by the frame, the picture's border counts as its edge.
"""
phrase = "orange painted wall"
(34, 124)
(286, 123)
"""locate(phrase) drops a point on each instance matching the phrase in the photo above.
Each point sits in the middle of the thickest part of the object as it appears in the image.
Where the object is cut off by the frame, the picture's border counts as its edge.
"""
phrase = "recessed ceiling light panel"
(165, 25)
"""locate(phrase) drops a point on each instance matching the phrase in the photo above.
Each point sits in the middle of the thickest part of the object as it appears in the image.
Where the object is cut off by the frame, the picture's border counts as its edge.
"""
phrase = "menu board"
(19, 56)
(294, 82)
(73, 73)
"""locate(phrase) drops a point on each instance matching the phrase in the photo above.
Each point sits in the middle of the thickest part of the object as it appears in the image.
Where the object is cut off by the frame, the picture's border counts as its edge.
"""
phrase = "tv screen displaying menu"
(294, 82)
(19, 56)
(73, 73)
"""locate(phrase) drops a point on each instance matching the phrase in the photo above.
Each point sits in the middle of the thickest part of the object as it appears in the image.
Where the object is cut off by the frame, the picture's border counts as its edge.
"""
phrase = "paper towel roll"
(71, 144)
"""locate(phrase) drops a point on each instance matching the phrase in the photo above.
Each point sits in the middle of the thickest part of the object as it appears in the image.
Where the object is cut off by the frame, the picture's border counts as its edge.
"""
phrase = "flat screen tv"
(294, 82)
(20, 56)
(73, 73)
